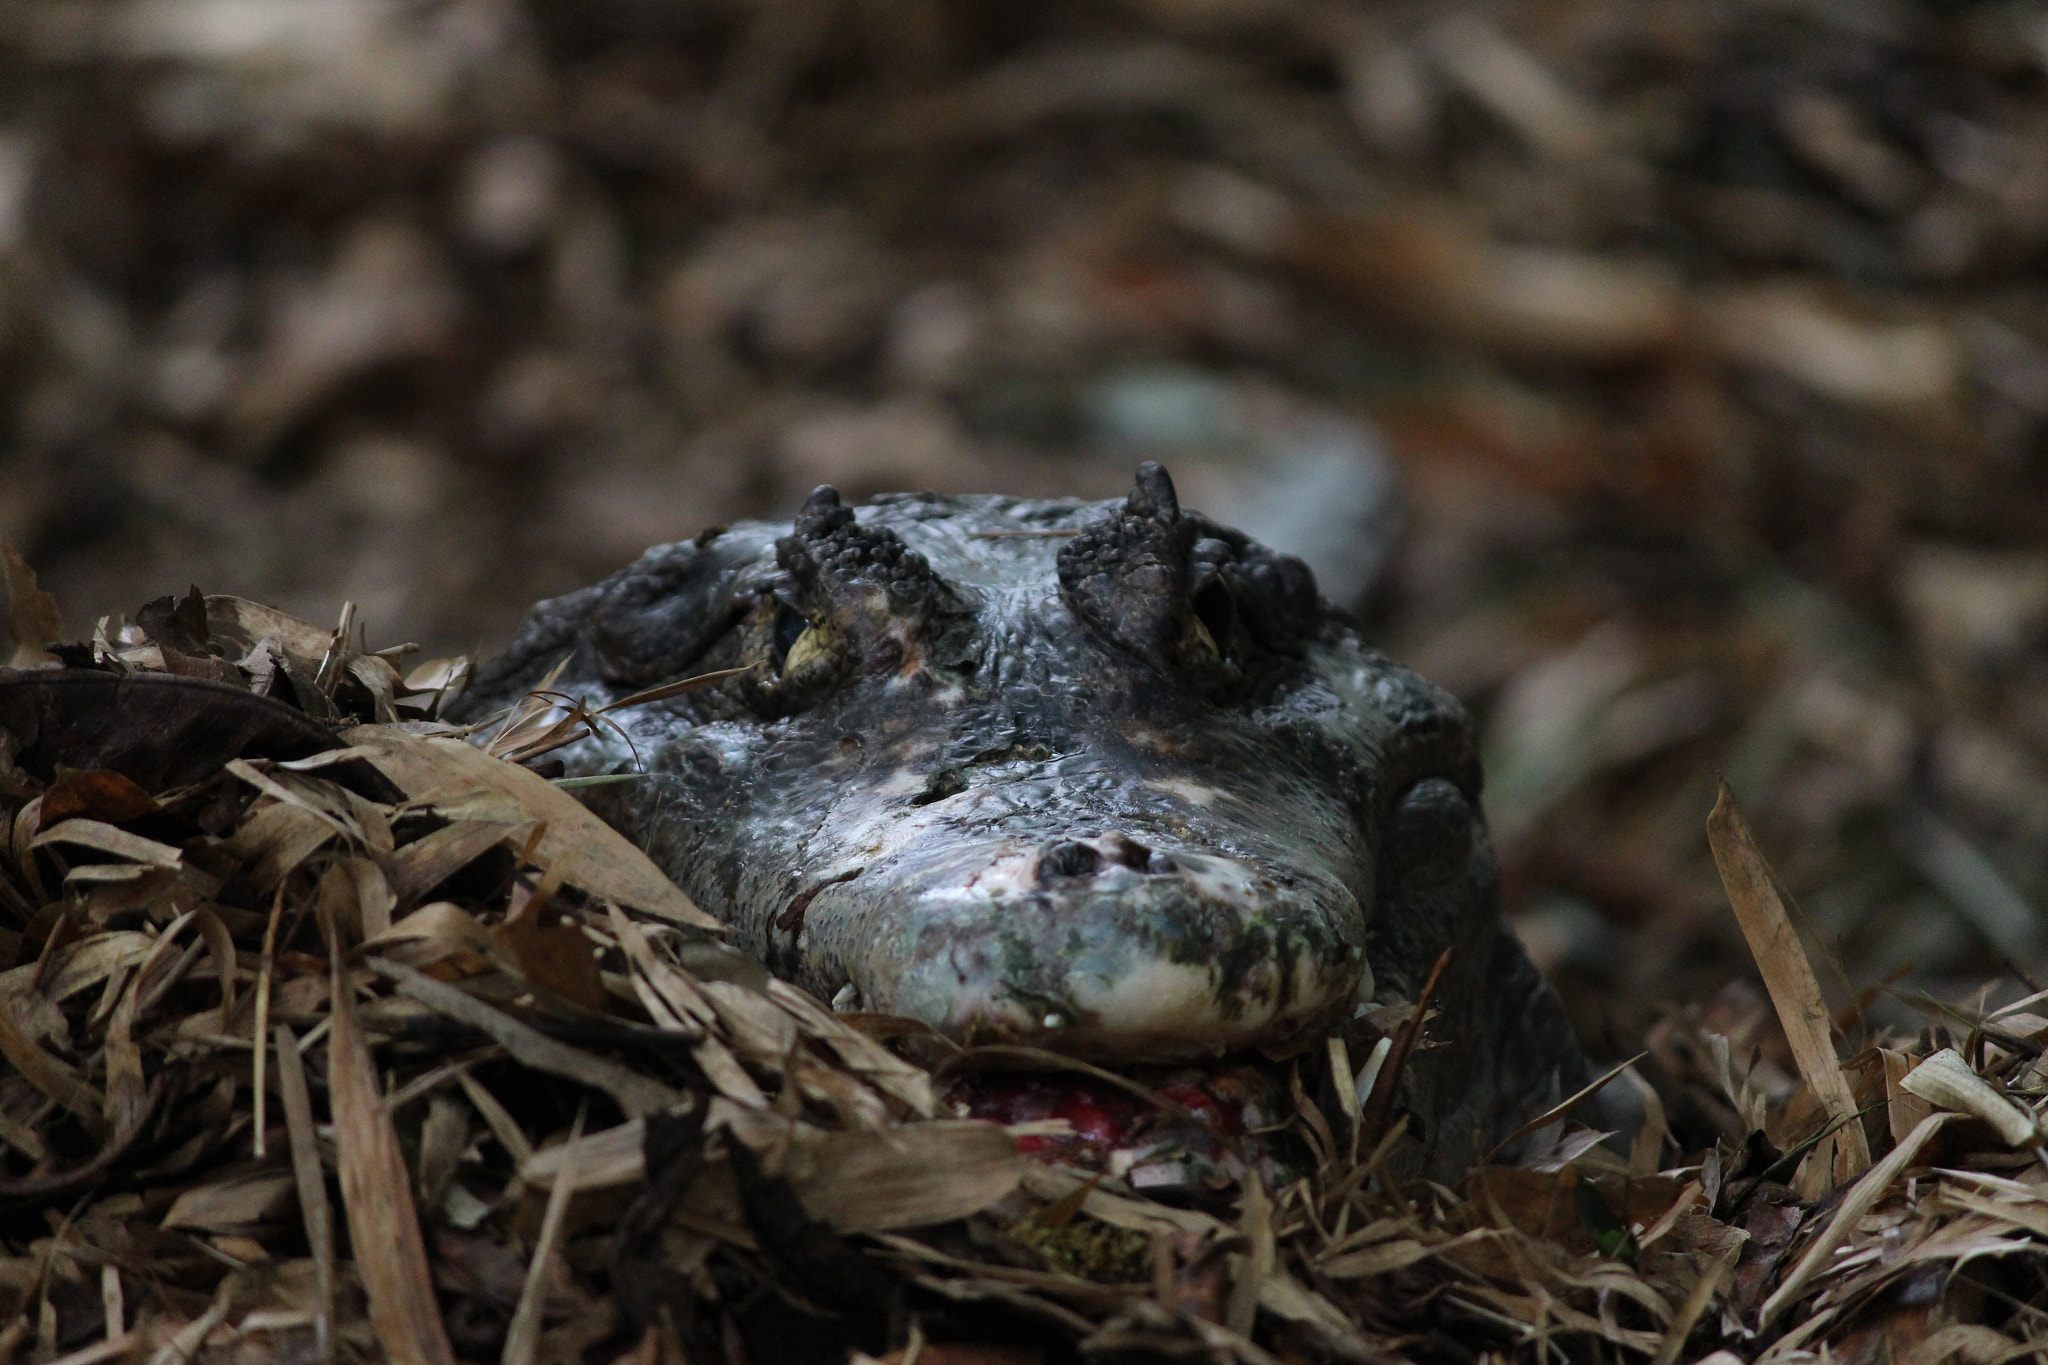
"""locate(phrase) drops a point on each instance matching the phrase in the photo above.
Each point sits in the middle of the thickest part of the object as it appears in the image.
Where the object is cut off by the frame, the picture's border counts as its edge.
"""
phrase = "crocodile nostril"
(1069, 858)
(1128, 851)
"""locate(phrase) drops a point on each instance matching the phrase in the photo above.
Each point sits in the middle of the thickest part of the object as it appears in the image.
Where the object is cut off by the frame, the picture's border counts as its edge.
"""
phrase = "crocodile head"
(1104, 777)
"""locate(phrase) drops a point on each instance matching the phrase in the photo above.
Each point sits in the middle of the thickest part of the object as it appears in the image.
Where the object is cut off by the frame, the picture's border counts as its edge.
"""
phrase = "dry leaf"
(391, 1259)
(1946, 1081)
(522, 1337)
(868, 1059)
(635, 1093)
(314, 1211)
(259, 1196)
(1431, 267)
(32, 617)
(1862, 362)
(46, 1073)
(428, 861)
(912, 1176)
(88, 963)
(98, 793)
(671, 997)
(1903, 1109)
(245, 625)
(555, 957)
(277, 838)
(1788, 975)
(580, 848)
(104, 838)
(434, 933)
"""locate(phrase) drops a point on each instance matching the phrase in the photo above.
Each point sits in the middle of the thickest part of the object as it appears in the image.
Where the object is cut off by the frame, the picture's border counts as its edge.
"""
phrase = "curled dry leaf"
(1946, 1081)
(158, 730)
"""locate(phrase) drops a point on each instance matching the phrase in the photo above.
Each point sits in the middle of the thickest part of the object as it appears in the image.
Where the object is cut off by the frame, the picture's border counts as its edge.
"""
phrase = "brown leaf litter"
(516, 1100)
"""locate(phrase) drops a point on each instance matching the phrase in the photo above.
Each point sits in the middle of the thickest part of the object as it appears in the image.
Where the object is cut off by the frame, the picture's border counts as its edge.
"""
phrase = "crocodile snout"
(1097, 943)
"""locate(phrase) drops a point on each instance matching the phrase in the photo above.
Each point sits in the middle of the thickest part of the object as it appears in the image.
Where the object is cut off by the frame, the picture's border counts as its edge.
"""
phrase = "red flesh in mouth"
(1229, 1105)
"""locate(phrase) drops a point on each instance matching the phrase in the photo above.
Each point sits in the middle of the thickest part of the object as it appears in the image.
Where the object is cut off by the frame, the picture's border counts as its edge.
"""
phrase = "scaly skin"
(1106, 778)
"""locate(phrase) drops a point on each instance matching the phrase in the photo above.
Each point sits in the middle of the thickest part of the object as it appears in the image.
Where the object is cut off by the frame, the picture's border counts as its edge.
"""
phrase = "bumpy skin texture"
(1103, 777)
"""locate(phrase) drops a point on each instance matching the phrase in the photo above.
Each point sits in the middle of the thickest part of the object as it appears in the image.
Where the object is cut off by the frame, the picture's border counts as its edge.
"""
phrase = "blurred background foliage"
(1665, 377)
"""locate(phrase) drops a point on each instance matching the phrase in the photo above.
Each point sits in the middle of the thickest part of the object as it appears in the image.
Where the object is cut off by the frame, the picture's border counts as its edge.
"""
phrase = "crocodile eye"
(790, 625)
(1217, 611)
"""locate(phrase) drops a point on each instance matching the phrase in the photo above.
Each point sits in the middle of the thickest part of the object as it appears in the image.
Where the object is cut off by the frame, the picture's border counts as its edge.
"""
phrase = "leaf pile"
(517, 1101)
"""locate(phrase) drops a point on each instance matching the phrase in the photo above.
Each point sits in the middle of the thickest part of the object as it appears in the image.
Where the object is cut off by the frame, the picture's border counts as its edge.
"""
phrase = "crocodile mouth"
(1185, 1128)
(1102, 944)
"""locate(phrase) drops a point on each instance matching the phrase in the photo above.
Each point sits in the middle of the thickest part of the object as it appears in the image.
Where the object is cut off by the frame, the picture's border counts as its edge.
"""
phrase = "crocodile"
(1105, 778)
